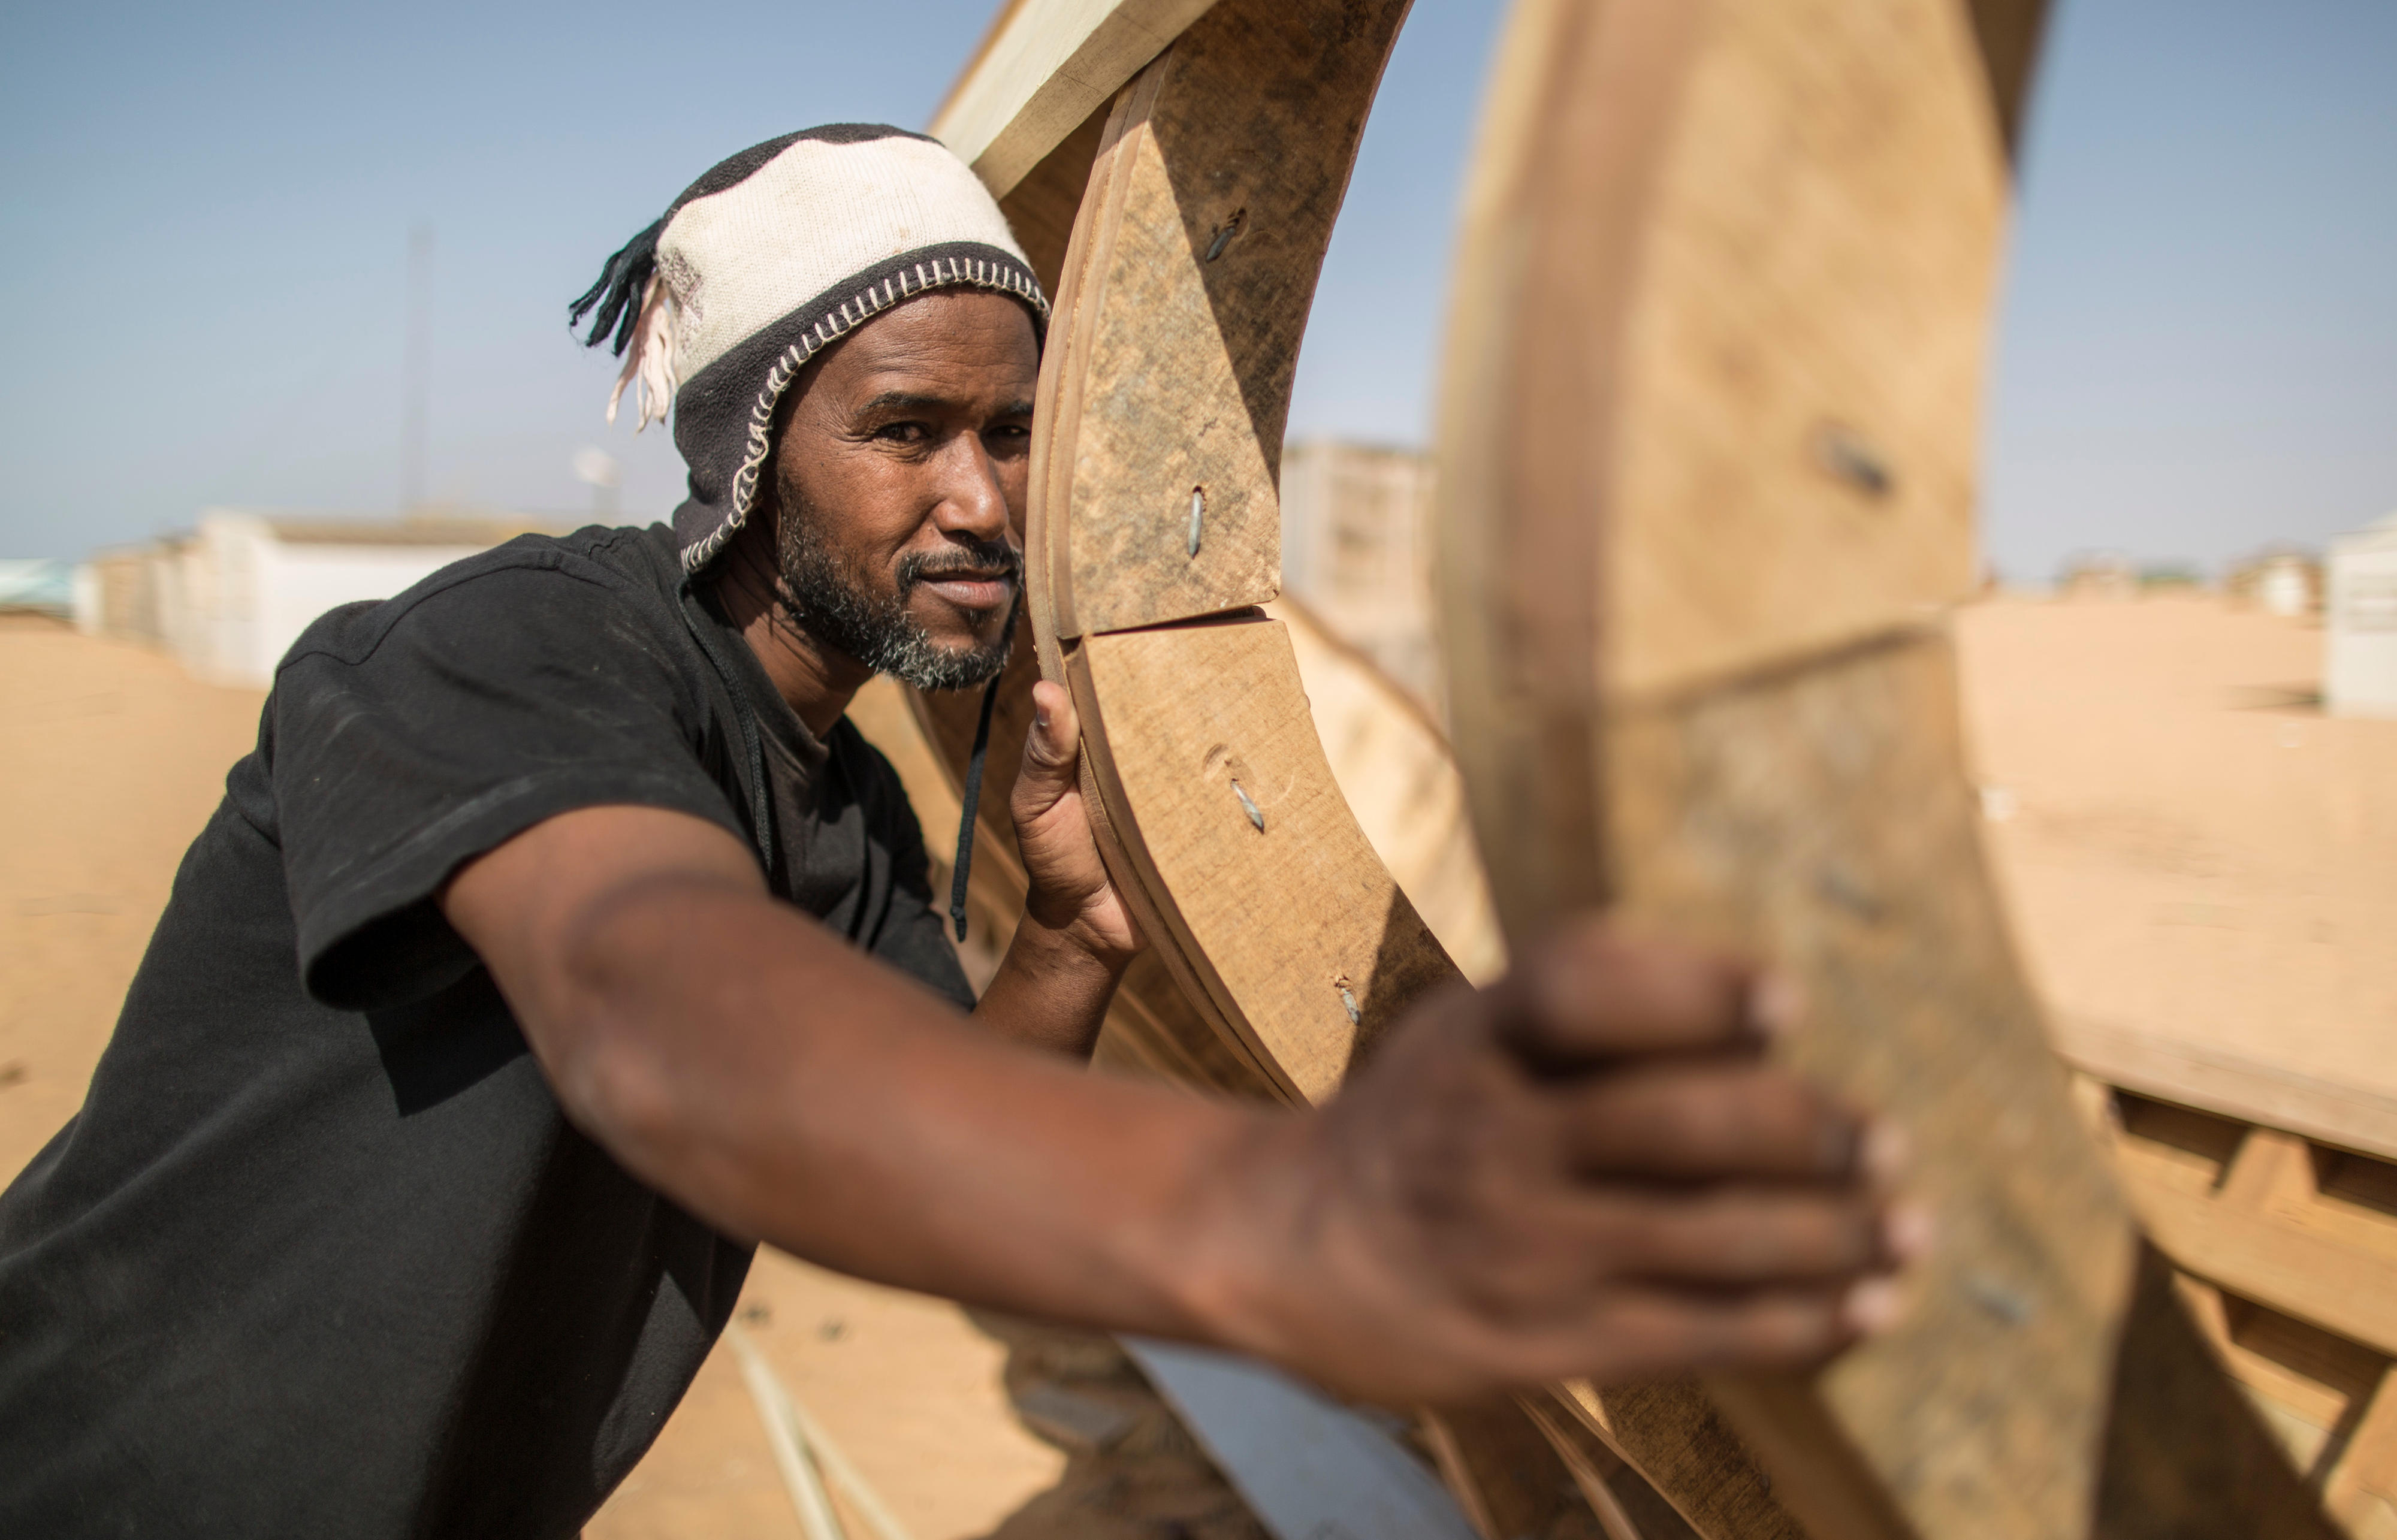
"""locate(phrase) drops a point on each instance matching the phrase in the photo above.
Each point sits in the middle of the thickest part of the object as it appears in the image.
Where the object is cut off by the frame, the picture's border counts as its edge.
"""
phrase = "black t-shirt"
(320, 1256)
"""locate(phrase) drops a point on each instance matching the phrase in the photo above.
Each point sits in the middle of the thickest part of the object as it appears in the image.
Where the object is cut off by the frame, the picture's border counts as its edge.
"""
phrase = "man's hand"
(1077, 935)
(1588, 1170)
(1071, 893)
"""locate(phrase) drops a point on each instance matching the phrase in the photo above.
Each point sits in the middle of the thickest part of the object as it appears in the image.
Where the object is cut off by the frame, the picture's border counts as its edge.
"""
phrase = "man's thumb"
(1049, 749)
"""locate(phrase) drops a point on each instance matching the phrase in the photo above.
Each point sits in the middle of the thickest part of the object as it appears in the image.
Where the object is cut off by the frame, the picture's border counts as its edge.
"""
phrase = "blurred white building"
(2360, 664)
(1355, 550)
(230, 596)
(2278, 580)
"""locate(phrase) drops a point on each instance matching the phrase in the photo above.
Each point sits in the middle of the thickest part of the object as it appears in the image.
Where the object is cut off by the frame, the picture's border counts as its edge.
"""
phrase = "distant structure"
(36, 587)
(230, 595)
(2360, 662)
(1354, 551)
(2097, 575)
(2278, 580)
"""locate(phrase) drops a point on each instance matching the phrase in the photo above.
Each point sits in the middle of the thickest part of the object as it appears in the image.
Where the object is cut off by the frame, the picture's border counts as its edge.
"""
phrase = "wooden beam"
(1711, 406)
(2008, 34)
(2232, 1085)
(1044, 67)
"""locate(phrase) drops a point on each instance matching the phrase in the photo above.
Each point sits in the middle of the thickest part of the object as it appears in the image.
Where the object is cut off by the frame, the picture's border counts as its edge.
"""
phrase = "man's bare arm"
(1584, 1170)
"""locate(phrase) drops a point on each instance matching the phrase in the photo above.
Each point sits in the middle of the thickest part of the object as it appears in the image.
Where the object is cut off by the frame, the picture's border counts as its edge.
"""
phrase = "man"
(560, 941)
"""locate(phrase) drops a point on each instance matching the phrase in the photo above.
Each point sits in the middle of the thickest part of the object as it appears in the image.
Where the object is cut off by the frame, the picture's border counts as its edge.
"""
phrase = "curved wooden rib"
(1166, 384)
(1707, 465)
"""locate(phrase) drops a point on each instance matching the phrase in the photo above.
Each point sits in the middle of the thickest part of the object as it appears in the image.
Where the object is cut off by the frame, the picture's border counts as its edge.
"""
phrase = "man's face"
(900, 474)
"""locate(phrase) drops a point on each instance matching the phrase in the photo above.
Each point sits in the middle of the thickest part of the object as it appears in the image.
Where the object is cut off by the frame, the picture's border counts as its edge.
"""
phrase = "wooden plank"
(2244, 1211)
(1398, 777)
(1627, 1506)
(1307, 945)
(2007, 33)
(2232, 1085)
(1213, 206)
(1509, 1478)
(1045, 66)
(1706, 464)
(1686, 1450)
(2341, 1288)
(2363, 1490)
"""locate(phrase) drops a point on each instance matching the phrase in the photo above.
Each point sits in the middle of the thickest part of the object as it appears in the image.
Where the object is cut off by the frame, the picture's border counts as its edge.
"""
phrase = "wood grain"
(1221, 176)
(1707, 457)
(1398, 777)
(1301, 936)
(2286, 1251)
(1045, 66)
(2232, 1085)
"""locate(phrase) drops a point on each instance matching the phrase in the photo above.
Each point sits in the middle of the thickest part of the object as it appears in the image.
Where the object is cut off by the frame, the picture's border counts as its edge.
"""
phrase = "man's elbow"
(602, 1028)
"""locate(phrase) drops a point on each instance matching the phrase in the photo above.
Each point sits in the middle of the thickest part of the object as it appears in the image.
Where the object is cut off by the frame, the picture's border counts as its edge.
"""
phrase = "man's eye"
(902, 433)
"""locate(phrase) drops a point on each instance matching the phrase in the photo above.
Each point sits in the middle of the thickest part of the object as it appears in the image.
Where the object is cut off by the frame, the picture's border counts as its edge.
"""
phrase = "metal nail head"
(1256, 814)
(1849, 456)
(1224, 233)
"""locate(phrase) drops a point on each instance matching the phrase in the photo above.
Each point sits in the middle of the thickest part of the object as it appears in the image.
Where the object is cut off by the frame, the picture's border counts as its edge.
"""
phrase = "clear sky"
(204, 219)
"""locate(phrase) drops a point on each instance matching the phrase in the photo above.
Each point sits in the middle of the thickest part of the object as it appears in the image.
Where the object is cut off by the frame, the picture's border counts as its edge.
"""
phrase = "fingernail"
(1040, 720)
(1775, 1004)
(1907, 1231)
(1887, 1154)
(1873, 1305)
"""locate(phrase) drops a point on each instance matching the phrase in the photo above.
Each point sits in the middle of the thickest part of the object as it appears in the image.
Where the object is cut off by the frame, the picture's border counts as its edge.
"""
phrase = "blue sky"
(204, 213)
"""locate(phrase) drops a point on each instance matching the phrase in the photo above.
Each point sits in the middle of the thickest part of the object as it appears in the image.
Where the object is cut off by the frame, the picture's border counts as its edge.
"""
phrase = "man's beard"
(839, 607)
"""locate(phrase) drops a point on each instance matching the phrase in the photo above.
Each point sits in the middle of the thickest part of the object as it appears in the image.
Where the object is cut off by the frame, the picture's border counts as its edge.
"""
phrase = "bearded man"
(561, 941)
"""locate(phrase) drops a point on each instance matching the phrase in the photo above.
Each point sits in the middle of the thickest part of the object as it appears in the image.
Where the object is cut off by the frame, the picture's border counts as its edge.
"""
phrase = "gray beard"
(839, 609)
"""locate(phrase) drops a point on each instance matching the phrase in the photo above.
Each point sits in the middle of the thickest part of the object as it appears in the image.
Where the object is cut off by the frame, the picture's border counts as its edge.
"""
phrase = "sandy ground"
(110, 759)
(2189, 845)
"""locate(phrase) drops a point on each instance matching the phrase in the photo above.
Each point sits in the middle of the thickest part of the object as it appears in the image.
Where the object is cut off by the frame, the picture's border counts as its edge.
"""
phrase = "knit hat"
(766, 260)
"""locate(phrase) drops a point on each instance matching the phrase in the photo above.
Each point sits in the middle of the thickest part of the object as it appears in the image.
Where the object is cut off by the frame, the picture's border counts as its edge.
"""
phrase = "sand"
(110, 759)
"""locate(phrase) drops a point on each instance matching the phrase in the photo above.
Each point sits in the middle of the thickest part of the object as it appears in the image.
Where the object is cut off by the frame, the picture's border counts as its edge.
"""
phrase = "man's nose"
(973, 504)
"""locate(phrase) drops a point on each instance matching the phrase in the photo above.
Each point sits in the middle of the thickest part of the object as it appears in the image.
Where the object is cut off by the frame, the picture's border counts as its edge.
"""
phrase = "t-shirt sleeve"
(411, 736)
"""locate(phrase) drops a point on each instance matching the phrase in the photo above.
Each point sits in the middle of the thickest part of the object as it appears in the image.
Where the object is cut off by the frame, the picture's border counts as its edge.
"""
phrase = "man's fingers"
(1586, 994)
(1742, 1236)
(1709, 1119)
(1051, 751)
(1678, 1333)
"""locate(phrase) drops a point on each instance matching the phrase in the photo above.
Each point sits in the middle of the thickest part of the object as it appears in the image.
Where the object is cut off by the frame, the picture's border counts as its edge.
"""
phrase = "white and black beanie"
(766, 260)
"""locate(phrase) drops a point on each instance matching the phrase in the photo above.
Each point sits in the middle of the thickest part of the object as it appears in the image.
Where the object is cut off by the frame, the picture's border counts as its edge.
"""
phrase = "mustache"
(980, 559)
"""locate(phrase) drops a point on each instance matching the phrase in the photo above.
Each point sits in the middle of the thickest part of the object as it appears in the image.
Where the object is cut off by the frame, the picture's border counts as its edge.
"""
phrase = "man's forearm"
(1050, 991)
(770, 1079)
